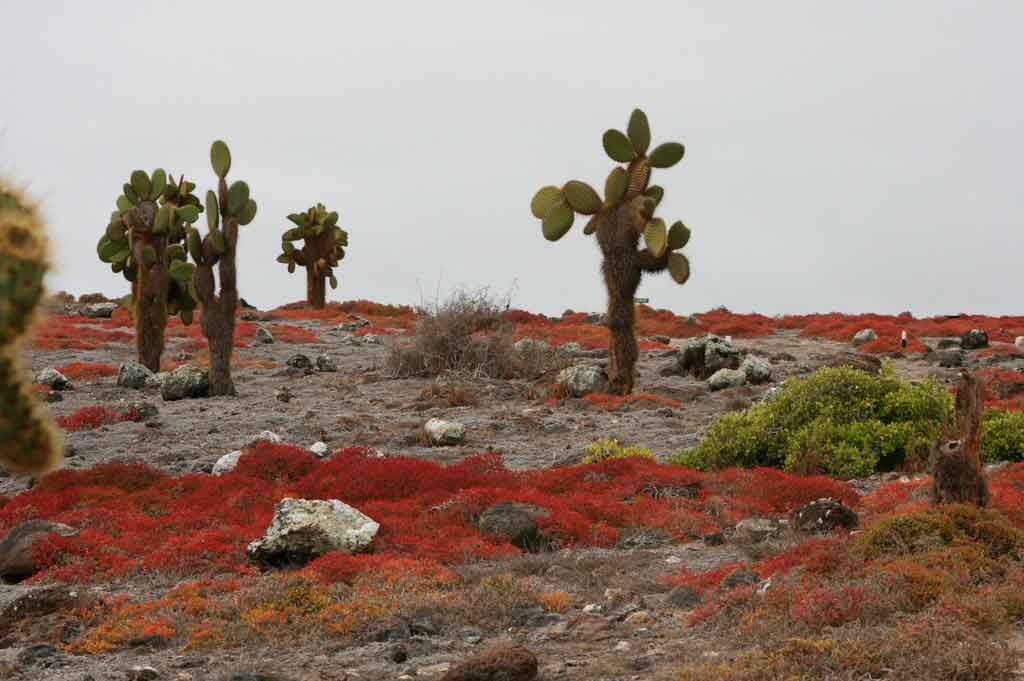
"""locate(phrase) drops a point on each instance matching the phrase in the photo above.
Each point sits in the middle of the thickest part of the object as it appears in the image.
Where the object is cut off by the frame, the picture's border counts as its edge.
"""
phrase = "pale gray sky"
(855, 156)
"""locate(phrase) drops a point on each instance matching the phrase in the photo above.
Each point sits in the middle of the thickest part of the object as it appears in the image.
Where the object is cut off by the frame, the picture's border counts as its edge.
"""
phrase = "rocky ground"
(624, 623)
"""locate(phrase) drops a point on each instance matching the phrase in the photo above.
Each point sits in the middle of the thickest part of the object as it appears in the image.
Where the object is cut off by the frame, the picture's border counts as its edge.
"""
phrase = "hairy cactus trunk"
(621, 269)
(218, 311)
(316, 289)
(150, 297)
(956, 458)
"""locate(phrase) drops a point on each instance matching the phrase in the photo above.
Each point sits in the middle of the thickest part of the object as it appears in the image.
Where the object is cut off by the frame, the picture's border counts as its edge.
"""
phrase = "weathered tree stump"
(956, 456)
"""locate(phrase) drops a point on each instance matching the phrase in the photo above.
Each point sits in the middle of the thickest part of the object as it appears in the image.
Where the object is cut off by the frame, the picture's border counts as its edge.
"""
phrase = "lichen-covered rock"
(948, 358)
(17, 560)
(975, 339)
(98, 310)
(740, 577)
(187, 381)
(515, 522)
(54, 379)
(303, 529)
(684, 596)
(864, 336)
(755, 530)
(570, 348)
(133, 375)
(822, 515)
(320, 449)
(703, 356)
(265, 436)
(324, 363)
(263, 336)
(441, 433)
(756, 369)
(354, 325)
(727, 378)
(581, 380)
(526, 345)
(300, 361)
(226, 463)
(501, 662)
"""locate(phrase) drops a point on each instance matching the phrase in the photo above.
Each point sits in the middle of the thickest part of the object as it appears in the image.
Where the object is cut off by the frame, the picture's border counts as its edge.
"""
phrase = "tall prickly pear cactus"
(226, 210)
(620, 220)
(323, 247)
(29, 442)
(143, 241)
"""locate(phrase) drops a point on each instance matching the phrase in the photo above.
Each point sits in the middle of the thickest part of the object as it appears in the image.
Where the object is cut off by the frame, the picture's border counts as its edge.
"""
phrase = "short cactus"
(322, 249)
(29, 442)
(620, 220)
(226, 209)
(143, 241)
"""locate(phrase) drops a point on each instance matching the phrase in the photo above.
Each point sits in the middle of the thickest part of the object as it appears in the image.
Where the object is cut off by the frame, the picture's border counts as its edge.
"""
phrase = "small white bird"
(903, 339)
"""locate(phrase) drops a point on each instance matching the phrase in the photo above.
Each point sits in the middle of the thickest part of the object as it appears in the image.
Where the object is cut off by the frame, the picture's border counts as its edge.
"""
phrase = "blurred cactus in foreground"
(29, 442)
(143, 241)
(226, 209)
(323, 247)
(620, 220)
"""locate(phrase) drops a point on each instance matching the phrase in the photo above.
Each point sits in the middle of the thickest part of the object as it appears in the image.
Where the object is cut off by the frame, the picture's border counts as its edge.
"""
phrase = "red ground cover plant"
(87, 371)
(71, 332)
(617, 402)
(94, 416)
(132, 518)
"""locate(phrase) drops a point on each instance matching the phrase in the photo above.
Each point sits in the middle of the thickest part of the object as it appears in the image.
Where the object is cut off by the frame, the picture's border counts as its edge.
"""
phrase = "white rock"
(757, 369)
(583, 380)
(53, 378)
(263, 336)
(305, 528)
(525, 345)
(226, 463)
(440, 432)
(1019, 341)
(570, 348)
(266, 436)
(864, 336)
(131, 374)
(320, 449)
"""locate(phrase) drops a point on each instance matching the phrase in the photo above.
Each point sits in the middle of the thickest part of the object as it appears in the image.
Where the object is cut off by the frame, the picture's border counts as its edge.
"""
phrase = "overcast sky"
(857, 156)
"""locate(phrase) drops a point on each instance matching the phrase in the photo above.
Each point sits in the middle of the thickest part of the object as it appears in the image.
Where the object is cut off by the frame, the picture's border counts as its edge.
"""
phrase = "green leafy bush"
(1002, 436)
(609, 448)
(838, 421)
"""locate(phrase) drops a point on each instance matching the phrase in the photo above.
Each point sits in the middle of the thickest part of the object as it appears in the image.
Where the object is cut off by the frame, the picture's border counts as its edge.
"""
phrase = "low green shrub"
(1002, 436)
(609, 448)
(838, 421)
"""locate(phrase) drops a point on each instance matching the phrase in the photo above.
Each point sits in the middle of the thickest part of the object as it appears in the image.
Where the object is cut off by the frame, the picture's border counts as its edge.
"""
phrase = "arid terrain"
(605, 610)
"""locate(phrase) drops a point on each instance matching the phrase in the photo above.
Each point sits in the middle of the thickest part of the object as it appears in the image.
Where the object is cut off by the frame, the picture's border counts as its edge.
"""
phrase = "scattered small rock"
(354, 325)
(756, 369)
(975, 339)
(581, 380)
(684, 596)
(515, 522)
(727, 378)
(822, 515)
(300, 361)
(441, 433)
(1019, 342)
(265, 436)
(501, 662)
(37, 655)
(53, 379)
(226, 463)
(133, 375)
(303, 529)
(283, 394)
(755, 530)
(17, 561)
(325, 363)
(526, 345)
(701, 357)
(948, 358)
(187, 381)
(142, 674)
(98, 310)
(398, 654)
(320, 449)
(263, 336)
(864, 336)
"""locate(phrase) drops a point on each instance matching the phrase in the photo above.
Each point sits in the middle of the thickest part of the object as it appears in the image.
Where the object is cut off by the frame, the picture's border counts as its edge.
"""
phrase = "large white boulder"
(303, 529)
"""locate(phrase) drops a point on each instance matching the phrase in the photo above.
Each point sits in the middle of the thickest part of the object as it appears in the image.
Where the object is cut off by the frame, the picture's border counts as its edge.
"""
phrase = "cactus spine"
(323, 248)
(29, 443)
(226, 210)
(143, 242)
(620, 220)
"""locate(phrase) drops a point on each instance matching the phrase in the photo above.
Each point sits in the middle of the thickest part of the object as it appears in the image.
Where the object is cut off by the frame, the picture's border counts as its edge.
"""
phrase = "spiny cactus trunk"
(150, 297)
(621, 269)
(316, 289)
(956, 458)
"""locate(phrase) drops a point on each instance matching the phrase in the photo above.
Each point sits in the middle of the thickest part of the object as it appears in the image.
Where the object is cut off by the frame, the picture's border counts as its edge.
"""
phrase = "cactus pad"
(581, 197)
(617, 146)
(667, 155)
(639, 131)
(679, 267)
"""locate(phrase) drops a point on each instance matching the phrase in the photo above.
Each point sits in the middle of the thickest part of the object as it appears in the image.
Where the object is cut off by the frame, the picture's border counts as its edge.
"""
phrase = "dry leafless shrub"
(465, 336)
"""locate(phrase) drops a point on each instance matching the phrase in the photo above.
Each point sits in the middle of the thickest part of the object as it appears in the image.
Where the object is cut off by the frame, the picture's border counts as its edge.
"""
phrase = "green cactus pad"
(544, 200)
(212, 210)
(299, 219)
(181, 271)
(195, 245)
(248, 213)
(141, 183)
(679, 267)
(124, 204)
(655, 192)
(186, 317)
(667, 155)
(106, 248)
(288, 247)
(656, 237)
(159, 182)
(148, 255)
(617, 146)
(220, 158)
(639, 131)
(581, 197)
(284, 258)
(176, 252)
(187, 214)
(217, 242)
(615, 186)
(162, 221)
(130, 194)
(238, 194)
(557, 222)
(291, 268)
(333, 281)
(115, 231)
(678, 236)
